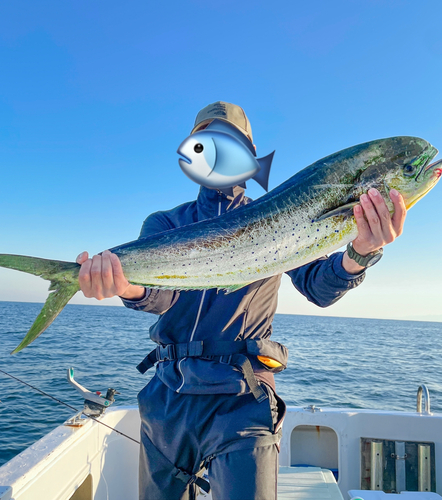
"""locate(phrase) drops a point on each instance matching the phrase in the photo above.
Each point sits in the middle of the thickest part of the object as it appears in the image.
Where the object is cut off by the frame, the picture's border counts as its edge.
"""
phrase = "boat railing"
(425, 393)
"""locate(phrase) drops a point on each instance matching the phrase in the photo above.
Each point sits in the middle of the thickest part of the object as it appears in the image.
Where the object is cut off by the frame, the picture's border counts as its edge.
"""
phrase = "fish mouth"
(436, 167)
(184, 158)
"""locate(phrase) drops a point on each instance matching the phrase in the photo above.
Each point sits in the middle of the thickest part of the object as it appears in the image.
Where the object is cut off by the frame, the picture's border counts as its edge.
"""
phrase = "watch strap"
(364, 260)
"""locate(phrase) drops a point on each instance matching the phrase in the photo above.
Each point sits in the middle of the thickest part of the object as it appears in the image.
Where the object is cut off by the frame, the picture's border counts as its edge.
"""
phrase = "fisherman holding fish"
(212, 402)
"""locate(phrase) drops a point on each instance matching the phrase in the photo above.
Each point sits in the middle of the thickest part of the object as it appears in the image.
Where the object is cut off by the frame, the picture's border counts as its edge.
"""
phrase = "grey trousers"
(233, 436)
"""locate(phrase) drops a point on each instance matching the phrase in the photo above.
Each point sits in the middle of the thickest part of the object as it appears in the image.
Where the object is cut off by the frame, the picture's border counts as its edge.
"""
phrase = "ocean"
(334, 362)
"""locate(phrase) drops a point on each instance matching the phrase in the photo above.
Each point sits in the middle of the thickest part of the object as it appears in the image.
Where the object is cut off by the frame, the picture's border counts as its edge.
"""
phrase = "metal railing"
(423, 391)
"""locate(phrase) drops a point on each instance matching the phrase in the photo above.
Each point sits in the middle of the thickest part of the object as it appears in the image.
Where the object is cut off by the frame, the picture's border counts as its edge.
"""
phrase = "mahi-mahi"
(306, 217)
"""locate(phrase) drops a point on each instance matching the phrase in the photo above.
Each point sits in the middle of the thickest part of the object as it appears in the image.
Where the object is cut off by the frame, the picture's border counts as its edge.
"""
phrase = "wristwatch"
(367, 260)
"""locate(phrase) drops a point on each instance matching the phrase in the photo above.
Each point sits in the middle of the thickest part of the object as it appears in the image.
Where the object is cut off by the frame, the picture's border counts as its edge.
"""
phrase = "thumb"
(82, 258)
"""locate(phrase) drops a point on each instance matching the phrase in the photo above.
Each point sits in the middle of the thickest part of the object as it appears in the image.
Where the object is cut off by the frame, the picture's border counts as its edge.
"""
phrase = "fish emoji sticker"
(220, 157)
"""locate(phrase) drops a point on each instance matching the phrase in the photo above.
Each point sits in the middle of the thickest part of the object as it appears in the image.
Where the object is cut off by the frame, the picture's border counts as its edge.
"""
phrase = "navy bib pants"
(228, 434)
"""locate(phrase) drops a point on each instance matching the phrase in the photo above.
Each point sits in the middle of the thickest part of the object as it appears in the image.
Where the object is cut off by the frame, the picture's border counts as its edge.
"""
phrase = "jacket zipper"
(199, 311)
(191, 338)
(219, 203)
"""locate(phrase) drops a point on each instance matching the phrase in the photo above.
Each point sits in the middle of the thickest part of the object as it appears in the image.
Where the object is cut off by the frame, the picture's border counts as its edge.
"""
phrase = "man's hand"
(102, 277)
(375, 225)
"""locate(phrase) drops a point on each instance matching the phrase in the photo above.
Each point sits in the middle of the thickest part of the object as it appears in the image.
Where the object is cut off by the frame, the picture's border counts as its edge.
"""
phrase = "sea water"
(334, 362)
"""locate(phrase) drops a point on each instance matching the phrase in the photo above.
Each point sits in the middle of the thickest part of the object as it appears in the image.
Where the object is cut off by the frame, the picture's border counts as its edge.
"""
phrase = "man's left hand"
(376, 227)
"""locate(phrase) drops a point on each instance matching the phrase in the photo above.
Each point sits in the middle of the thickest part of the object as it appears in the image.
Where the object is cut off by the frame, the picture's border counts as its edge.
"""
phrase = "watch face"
(374, 259)
(368, 260)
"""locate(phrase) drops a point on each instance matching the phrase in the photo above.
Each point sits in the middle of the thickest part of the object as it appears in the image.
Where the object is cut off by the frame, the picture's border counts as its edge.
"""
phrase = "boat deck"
(307, 483)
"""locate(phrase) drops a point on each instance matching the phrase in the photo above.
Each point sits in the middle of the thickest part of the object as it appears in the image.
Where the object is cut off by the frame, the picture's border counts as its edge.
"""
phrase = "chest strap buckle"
(170, 352)
(166, 353)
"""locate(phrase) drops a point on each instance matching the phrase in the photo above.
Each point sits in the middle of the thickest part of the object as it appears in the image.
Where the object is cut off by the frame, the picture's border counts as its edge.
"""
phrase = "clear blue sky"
(95, 98)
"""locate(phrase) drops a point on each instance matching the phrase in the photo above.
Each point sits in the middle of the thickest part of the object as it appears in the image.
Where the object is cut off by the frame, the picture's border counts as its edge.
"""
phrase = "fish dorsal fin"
(262, 177)
(227, 128)
(345, 210)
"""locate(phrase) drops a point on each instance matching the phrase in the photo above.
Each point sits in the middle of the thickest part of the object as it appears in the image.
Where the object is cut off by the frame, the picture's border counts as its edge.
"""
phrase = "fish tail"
(64, 285)
(262, 177)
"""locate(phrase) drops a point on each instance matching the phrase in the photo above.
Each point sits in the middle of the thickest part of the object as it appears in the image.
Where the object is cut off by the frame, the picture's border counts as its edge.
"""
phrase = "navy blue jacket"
(245, 314)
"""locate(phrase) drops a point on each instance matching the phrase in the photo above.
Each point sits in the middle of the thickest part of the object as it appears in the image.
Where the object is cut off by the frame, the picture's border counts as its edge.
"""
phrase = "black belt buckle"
(166, 353)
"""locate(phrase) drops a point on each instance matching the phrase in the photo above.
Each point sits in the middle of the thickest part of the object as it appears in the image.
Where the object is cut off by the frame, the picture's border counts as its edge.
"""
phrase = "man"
(217, 408)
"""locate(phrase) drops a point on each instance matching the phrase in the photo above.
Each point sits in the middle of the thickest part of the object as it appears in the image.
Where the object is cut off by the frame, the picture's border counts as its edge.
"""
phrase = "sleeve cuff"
(137, 303)
(340, 272)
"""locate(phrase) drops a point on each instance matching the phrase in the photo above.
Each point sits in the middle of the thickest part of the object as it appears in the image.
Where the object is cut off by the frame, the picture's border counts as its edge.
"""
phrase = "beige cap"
(226, 111)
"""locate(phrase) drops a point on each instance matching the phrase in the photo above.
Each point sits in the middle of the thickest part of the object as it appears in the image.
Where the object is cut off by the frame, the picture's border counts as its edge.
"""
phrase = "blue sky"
(95, 98)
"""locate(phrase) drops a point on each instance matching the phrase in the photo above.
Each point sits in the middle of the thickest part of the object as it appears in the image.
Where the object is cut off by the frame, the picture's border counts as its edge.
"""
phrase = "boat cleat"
(312, 408)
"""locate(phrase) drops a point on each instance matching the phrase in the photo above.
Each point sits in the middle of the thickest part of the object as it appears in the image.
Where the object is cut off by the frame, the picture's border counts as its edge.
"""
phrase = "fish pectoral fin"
(212, 156)
(344, 210)
(262, 177)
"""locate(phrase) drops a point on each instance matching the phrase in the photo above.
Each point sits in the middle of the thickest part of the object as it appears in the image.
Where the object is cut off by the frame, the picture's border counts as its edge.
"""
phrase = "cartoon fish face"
(198, 160)
(218, 158)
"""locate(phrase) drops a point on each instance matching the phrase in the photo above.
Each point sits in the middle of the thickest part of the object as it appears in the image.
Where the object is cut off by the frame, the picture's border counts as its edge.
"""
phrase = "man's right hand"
(102, 277)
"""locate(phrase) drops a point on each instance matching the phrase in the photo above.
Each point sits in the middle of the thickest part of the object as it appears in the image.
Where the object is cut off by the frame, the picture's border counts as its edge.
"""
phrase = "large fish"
(306, 217)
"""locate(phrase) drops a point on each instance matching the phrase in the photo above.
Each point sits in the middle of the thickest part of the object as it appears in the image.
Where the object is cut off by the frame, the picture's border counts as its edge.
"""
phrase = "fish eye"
(409, 169)
(198, 148)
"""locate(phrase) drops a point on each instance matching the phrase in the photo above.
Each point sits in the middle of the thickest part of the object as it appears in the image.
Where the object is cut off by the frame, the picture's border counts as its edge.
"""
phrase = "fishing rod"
(69, 406)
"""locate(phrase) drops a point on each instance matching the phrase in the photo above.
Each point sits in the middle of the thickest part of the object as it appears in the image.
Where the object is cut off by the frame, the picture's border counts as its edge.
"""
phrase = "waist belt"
(230, 352)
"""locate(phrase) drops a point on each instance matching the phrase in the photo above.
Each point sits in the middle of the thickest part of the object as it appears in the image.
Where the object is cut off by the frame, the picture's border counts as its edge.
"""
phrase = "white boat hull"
(93, 462)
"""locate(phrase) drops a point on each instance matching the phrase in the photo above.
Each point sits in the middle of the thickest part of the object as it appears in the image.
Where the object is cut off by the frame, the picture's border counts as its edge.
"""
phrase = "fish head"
(402, 163)
(416, 181)
(198, 154)
(414, 175)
